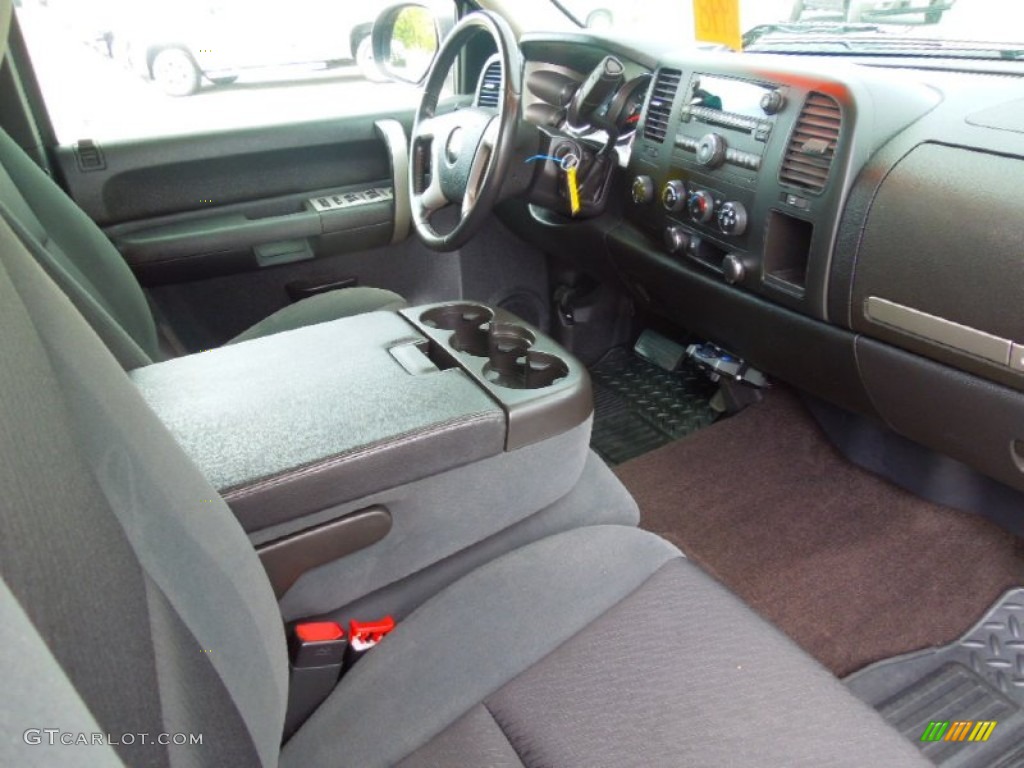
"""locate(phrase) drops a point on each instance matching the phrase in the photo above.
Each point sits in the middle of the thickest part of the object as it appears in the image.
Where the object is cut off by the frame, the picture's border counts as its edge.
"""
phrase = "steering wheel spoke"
(427, 127)
(479, 166)
(432, 199)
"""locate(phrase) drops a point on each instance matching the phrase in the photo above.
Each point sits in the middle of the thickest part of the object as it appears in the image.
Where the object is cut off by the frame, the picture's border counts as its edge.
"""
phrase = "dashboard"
(847, 227)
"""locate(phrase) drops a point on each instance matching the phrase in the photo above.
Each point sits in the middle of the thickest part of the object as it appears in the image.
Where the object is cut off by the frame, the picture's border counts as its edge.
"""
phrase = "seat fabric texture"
(86, 265)
(132, 602)
(600, 646)
(322, 308)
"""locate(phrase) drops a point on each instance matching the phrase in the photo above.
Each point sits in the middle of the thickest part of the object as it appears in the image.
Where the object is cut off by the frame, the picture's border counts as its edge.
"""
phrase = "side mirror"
(405, 41)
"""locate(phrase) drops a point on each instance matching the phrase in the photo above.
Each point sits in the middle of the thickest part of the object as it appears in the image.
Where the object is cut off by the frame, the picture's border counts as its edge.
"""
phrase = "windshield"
(975, 28)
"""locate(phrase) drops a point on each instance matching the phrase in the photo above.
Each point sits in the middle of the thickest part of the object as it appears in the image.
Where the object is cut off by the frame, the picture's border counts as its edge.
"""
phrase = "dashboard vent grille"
(660, 108)
(488, 93)
(813, 144)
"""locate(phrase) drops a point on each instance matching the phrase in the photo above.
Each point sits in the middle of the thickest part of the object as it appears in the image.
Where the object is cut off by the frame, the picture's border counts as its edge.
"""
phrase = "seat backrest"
(131, 601)
(76, 254)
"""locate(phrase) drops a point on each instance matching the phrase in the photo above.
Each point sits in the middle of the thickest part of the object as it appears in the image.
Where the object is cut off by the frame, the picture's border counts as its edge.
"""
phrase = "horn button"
(453, 149)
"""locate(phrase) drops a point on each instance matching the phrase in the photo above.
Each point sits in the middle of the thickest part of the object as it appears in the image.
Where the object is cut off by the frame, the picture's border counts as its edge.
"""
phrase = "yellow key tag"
(569, 164)
(574, 191)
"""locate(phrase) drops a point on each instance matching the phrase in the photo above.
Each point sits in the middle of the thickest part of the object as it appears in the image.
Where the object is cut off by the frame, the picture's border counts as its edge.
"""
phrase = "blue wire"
(543, 157)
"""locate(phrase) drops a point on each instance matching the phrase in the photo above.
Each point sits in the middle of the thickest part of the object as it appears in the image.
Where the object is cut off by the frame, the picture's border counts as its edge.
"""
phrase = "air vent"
(813, 144)
(488, 92)
(659, 110)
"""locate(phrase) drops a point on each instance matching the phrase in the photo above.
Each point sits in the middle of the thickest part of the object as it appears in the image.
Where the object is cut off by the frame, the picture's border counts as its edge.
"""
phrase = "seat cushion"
(599, 646)
(333, 305)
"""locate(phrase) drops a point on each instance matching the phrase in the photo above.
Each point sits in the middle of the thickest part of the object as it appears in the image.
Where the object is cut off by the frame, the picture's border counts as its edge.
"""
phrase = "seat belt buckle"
(364, 635)
(317, 652)
(317, 644)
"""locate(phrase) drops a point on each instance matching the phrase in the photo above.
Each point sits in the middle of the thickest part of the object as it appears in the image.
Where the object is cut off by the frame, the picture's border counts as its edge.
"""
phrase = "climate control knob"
(701, 206)
(677, 239)
(673, 195)
(711, 150)
(732, 219)
(643, 190)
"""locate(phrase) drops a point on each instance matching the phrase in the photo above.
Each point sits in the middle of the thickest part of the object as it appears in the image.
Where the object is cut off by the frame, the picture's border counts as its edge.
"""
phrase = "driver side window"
(116, 70)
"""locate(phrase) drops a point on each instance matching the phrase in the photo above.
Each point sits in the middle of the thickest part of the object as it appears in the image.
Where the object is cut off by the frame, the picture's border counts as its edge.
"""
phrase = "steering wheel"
(461, 158)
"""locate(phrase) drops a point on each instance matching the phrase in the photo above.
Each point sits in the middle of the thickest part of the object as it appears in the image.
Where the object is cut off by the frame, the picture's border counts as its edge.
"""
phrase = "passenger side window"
(128, 69)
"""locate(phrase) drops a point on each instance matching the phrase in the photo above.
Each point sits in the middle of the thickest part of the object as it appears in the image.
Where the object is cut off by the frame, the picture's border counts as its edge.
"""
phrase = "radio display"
(737, 97)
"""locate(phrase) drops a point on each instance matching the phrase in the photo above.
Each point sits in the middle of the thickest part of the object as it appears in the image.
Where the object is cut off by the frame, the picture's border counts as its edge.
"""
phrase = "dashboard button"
(772, 102)
(798, 202)
(677, 239)
(734, 270)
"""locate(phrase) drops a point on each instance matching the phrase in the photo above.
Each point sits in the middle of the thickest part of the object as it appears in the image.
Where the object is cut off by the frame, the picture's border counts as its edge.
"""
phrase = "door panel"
(221, 228)
(184, 209)
(204, 265)
(174, 175)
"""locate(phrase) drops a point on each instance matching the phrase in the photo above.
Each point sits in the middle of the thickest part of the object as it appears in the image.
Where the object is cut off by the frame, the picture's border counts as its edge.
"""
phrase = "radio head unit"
(727, 121)
(729, 101)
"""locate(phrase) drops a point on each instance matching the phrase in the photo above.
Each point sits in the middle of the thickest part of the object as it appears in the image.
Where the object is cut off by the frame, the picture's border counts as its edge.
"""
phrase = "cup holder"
(510, 360)
(468, 325)
(534, 370)
(506, 345)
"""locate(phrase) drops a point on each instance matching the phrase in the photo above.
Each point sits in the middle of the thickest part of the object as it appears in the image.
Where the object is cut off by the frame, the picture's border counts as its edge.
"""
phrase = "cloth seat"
(131, 602)
(86, 266)
(332, 305)
(601, 646)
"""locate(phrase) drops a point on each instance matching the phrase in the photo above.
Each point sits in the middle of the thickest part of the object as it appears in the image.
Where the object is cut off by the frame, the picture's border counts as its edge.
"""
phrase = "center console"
(394, 439)
(731, 172)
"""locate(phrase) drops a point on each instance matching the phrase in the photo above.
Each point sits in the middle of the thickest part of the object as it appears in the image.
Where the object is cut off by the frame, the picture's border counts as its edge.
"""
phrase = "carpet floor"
(851, 567)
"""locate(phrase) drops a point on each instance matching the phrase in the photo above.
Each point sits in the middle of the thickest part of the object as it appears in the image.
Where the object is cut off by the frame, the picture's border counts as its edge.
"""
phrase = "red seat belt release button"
(317, 644)
(363, 635)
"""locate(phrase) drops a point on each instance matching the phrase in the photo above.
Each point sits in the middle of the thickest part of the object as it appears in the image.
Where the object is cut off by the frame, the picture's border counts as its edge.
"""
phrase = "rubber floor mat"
(639, 407)
(962, 704)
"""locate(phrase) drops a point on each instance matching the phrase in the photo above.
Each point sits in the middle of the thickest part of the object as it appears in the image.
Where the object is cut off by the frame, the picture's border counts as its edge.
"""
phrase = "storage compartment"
(375, 433)
(292, 424)
(944, 282)
(787, 248)
(925, 401)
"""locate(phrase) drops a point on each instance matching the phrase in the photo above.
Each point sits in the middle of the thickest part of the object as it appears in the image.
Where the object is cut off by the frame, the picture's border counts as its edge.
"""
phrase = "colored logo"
(959, 730)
